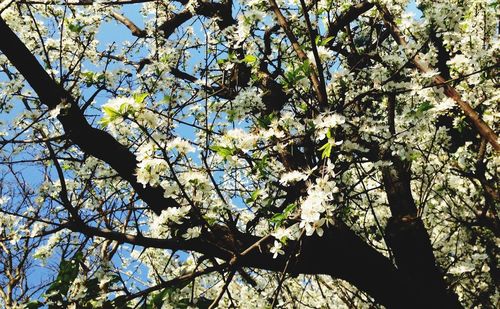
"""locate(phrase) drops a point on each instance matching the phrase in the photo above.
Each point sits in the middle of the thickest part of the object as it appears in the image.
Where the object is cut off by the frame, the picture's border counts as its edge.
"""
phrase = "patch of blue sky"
(414, 10)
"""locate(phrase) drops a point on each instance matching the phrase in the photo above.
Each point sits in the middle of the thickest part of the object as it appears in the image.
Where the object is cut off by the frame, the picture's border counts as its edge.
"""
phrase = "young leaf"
(222, 151)
(250, 59)
(326, 41)
(68, 271)
(327, 149)
(139, 97)
(77, 28)
(317, 40)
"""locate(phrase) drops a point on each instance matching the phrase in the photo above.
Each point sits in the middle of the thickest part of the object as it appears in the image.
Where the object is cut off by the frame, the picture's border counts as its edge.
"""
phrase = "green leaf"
(306, 68)
(93, 289)
(88, 77)
(110, 115)
(317, 40)
(293, 76)
(254, 196)
(33, 305)
(157, 300)
(424, 107)
(265, 120)
(232, 56)
(280, 217)
(261, 165)
(327, 149)
(139, 97)
(109, 111)
(326, 41)
(249, 59)
(224, 152)
(165, 58)
(231, 115)
(290, 208)
(77, 28)
(320, 42)
(200, 303)
(329, 134)
(68, 271)
(203, 303)
(166, 99)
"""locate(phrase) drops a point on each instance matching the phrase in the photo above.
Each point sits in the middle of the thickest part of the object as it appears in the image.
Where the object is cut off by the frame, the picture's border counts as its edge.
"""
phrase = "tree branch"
(339, 253)
(136, 31)
(348, 16)
(202, 8)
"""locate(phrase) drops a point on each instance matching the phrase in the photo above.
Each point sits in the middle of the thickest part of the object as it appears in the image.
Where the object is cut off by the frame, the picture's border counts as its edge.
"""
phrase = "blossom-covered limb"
(482, 128)
(91, 140)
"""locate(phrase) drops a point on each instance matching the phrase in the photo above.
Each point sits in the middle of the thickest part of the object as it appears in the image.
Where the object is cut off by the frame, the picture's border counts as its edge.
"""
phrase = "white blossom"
(276, 249)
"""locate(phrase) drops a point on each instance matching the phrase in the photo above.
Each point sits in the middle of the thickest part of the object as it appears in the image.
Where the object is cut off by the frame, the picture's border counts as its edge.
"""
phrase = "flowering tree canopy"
(249, 154)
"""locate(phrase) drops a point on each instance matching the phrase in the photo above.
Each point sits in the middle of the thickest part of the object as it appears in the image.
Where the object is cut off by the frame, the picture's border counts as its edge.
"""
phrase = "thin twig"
(224, 288)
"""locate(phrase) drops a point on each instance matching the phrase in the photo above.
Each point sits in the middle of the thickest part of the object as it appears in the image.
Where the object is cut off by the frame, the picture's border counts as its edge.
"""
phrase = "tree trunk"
(408, 239)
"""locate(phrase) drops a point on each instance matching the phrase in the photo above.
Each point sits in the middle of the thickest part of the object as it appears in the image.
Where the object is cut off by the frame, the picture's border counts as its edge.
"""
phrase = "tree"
(250, 154)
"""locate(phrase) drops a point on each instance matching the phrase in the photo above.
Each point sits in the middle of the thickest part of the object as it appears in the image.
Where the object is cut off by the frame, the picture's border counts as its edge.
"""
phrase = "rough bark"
(409, 241)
